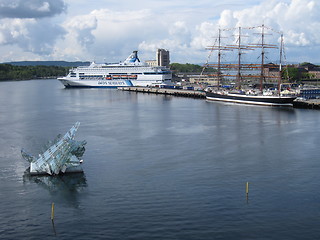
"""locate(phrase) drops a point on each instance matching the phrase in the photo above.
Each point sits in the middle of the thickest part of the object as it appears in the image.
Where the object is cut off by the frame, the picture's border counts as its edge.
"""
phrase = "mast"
(238, 68)
(219, 58)
(219, 48)
(239, 60)
(280, 64)
(262, 58)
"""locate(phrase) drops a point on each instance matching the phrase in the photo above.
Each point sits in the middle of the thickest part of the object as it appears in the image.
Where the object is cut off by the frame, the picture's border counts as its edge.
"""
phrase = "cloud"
(29, 34)
(177, 36)
(82, 27)
(111, 34)
(31, 8)
(98, 31)
(24, 26)
(297, 19)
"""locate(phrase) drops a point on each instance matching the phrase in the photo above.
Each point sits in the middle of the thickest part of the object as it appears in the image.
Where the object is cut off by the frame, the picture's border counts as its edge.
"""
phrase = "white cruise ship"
(131, 72)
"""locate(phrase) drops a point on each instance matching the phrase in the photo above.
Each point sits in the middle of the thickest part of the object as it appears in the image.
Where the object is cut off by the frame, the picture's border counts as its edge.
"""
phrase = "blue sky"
(108, 30)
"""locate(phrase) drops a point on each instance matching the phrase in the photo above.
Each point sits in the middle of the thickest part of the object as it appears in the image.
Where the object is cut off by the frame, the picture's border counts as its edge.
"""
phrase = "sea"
(158, 167)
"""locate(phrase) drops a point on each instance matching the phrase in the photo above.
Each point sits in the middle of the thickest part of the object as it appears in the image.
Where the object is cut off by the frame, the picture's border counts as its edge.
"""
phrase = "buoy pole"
(247, 192)
(247, 188)
(52, 211)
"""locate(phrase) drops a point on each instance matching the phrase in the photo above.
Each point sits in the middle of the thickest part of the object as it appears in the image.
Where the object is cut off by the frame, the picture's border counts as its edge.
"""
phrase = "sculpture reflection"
(66, 186)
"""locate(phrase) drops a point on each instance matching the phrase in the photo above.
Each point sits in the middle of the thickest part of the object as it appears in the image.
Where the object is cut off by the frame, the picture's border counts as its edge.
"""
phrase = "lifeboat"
(133, 76)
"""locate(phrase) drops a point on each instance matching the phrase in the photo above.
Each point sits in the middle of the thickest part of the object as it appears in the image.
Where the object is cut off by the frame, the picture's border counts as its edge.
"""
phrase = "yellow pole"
(247, 188)
(52, 211)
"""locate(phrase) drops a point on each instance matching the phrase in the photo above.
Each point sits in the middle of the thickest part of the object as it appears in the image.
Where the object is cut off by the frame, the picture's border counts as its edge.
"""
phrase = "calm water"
(158, 167)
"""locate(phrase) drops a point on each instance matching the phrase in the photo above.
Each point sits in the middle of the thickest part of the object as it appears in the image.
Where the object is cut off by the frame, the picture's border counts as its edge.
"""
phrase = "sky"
(109, 30)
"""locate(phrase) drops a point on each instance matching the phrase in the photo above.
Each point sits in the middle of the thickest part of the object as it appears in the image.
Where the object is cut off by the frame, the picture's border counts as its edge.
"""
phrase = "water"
(158, 167)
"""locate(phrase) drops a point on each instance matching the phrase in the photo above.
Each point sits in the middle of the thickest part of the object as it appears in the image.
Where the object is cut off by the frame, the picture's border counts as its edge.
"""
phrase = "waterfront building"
(151, 63)
(203, 80)
(162, 59)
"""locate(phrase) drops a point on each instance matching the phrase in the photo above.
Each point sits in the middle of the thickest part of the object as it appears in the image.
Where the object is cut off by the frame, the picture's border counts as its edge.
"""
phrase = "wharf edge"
(310, 104)
(166, 91)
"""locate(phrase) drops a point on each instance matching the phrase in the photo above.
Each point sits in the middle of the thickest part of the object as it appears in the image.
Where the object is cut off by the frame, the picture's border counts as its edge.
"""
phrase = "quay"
(166, 91)
(309, 103)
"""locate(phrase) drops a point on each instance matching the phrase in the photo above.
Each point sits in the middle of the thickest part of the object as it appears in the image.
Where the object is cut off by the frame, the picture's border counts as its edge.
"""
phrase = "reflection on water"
(65, 186)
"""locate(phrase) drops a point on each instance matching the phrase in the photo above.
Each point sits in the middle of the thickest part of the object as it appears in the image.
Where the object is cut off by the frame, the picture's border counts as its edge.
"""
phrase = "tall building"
(163, 58)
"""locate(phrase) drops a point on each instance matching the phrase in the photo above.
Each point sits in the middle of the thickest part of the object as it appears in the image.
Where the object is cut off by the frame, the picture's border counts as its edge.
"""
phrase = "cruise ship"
(131, 72)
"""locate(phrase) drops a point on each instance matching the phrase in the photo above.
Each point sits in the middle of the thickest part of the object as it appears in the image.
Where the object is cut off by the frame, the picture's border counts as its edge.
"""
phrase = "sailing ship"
(248, 95)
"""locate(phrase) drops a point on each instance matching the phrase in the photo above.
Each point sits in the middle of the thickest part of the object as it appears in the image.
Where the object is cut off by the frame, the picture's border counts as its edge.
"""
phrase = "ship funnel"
(132, 58)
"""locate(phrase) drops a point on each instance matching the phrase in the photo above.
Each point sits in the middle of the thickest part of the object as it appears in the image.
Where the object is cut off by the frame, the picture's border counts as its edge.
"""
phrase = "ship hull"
(251, 99)
(68, 83)
(103, 83)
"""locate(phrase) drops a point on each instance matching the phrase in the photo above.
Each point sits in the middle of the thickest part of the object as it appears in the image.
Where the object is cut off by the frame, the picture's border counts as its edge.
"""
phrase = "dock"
(309, 103)
(166, 91)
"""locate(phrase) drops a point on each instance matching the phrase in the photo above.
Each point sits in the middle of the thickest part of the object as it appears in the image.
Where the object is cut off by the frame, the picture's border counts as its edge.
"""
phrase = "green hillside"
(11, 72)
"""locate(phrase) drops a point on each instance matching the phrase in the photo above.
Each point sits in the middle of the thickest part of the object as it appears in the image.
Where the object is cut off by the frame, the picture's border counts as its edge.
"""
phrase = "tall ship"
(131, 72)
(262, 86)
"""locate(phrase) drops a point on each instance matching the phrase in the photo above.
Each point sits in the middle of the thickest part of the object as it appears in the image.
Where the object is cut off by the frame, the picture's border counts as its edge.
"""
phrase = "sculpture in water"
(62, 156)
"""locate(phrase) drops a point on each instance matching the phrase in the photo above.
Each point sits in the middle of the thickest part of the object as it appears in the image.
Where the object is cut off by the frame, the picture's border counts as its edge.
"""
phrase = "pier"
(166, 91)
(309, 103)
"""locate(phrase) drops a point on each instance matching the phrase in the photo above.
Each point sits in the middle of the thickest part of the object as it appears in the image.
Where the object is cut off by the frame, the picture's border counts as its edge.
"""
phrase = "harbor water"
(158, 167)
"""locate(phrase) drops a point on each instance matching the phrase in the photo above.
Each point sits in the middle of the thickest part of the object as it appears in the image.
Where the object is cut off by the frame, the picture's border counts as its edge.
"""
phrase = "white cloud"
(31, 8)
(176, 38)
(44, 8)
(206, 32)
(109, 34)
(30, 35)
(24, 27)
(297, 19)
(82, 27)
(99, 30)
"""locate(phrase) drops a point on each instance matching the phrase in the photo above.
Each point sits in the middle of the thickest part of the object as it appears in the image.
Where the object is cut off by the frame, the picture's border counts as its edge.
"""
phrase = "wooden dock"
(166, 91)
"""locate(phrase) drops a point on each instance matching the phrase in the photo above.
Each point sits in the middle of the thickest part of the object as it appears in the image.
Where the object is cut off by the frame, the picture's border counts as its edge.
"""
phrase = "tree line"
(189, 68)
(12, 72)
(295, 74)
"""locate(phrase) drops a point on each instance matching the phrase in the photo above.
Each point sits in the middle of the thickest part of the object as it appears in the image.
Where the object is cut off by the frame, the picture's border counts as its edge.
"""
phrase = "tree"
(187, 68)
(291, 73)
(12, 72)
